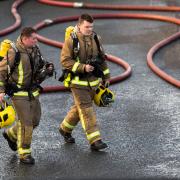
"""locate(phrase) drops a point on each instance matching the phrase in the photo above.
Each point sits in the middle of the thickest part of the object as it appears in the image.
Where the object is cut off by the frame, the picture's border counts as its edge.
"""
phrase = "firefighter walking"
(20, 78)
(79, 52)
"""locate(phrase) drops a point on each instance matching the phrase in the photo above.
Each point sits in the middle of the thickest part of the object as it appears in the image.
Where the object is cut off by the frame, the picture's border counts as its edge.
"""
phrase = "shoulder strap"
(75, 45)
(97, 42)
(16, 59)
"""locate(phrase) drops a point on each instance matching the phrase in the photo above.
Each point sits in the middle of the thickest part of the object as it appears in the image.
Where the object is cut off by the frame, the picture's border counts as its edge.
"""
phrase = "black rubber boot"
(67, 136)
(12, 144)
(27, 159)
(98, 145)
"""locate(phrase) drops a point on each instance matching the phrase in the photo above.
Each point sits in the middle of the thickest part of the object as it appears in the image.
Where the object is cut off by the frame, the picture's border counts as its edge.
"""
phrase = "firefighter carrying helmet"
(104, 96)
(7, 115)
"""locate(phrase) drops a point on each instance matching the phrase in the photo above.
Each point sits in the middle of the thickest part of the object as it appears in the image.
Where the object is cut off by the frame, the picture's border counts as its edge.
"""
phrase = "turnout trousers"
(82, 111)
(28, 117)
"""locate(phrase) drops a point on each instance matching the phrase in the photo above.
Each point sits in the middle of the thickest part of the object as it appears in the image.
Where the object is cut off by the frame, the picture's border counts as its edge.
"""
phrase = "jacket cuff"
(106, 77)
(81, 68)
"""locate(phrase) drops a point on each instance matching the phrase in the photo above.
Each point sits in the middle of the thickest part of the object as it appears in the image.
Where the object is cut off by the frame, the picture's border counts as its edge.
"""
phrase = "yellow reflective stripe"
(75, 66)
(24, 93)
(106, 71)
(11, 132)
(67, 81)
(24, 151)
(19, 143)
(20, 73)
(92, 135)
(84, 83)
(66, 124)
(1, 83)
(82, 119)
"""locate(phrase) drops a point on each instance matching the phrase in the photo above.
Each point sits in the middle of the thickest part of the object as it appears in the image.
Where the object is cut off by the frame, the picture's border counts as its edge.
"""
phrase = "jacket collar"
(21, 46)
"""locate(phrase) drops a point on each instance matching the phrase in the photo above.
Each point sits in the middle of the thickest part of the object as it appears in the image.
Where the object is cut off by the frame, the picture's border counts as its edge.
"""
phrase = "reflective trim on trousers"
(19, 143)
(12, 134)
(24, 151)
(66, 124)
(92, 135)
(82, 119)
(24, 93)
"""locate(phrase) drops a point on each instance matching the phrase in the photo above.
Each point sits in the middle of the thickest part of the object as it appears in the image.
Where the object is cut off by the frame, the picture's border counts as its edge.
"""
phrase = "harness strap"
(75, 45)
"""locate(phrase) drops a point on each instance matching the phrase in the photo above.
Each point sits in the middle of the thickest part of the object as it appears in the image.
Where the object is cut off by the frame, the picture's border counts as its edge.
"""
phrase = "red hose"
(111, 58)
(113, 80)
(127, 73)
(112, 7)
(117, 60)
(49, 22)
(158, 71)
(17, 17)
(108, 7)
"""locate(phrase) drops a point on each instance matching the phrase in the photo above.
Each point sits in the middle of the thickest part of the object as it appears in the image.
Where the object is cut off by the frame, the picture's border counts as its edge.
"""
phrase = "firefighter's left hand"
(50, 68)
(106, 83)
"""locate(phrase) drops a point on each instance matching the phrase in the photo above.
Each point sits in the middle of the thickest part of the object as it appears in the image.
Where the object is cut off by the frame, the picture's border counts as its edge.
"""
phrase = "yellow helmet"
(103, 96)
(5, 45)
(7, 115)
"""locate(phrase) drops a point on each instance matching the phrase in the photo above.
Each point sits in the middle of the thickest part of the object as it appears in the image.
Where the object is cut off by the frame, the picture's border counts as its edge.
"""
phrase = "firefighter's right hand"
(2, 97)
(89, 68)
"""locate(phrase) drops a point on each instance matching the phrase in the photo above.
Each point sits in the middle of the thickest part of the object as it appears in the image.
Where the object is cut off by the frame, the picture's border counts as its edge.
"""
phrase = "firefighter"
(83, 80)
(19, 80)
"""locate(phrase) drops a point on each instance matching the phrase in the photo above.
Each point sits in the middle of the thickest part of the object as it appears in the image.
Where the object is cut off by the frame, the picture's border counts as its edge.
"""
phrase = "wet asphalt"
(142, 127)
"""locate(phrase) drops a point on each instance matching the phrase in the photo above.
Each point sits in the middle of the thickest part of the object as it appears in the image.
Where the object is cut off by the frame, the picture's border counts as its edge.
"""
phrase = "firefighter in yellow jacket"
(20, 78)
(84, 65)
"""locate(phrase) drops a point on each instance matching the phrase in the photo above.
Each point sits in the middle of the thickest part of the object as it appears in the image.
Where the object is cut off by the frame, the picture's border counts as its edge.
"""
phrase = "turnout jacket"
(24, 74)
(88, 48)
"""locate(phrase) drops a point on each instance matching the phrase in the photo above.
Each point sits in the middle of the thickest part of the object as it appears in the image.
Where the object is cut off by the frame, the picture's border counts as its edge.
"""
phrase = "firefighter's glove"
(46, 72)
(106, 83)
(50, 69)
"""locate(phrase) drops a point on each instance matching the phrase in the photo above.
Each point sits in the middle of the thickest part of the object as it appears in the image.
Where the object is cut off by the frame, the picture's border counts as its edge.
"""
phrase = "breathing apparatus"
(5, 46)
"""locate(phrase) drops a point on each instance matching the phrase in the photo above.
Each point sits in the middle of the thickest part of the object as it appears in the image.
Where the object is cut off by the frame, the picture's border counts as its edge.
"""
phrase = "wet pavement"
(142, 128)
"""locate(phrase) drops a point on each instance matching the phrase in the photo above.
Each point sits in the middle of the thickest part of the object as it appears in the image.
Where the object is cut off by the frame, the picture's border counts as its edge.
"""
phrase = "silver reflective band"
(78, 4)
(48, 21)
(14, 46)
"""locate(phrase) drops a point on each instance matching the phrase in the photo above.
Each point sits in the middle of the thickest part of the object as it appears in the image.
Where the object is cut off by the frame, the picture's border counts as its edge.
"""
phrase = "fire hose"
(125, 65)
(108, 7)
(17, 17)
